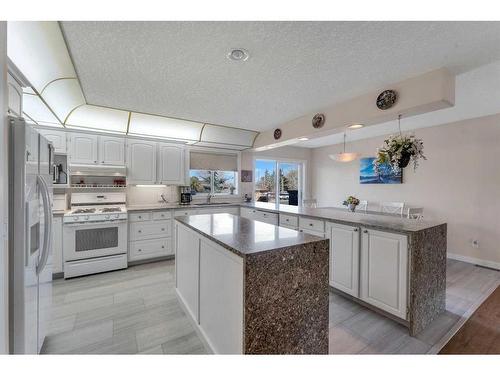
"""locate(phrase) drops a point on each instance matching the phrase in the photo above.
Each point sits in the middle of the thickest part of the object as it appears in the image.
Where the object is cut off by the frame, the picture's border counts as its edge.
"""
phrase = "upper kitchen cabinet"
(95, 149)
(58, 139)
(112, 150)
(172, 164)
(141, 162)
(83, 148)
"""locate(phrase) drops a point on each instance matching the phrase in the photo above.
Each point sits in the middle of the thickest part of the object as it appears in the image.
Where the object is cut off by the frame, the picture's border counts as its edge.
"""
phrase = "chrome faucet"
(163, 198)
(209, 197)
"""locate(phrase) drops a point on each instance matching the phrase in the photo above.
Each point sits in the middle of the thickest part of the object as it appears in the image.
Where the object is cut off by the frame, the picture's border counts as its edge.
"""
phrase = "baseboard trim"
(479, 262)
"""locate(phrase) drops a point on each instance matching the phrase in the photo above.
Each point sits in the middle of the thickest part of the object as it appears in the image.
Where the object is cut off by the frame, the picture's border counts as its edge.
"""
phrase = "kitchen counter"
(277, 301)
(245, 236)
(170, 206)
(342, 216)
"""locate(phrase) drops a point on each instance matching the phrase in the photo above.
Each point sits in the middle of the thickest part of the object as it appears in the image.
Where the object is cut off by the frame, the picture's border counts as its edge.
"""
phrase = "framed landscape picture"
(367, 174)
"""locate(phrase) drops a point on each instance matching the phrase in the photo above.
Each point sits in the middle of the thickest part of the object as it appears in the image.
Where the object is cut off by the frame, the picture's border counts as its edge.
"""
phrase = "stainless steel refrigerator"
(30, 237)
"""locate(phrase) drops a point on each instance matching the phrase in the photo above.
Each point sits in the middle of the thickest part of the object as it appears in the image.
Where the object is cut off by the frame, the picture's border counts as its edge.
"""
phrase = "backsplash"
(151, 194)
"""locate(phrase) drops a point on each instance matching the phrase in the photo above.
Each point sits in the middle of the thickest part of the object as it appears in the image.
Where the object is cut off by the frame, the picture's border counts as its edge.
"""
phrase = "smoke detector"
(238, 54)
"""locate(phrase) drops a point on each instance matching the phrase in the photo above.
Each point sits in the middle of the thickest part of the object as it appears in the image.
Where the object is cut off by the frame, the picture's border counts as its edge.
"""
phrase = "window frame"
(236, 191)
(302, 177)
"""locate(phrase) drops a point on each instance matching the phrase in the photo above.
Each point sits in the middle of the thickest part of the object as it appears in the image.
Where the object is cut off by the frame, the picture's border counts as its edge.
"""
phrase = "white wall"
(3, 192)
(286, 153)
(458, 184)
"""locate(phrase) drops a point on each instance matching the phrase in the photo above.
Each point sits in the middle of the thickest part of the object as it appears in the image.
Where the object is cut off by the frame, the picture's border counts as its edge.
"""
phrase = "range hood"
(98, 170)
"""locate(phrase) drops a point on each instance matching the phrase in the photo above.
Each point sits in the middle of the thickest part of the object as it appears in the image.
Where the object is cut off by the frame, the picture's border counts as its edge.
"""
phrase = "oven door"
(92, 240)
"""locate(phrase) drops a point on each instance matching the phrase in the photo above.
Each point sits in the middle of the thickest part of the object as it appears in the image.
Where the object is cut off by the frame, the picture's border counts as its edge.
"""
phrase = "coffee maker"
(186, 195)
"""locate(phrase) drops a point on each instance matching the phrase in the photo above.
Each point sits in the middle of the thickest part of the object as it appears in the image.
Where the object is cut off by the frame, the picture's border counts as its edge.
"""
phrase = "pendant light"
(344, 157)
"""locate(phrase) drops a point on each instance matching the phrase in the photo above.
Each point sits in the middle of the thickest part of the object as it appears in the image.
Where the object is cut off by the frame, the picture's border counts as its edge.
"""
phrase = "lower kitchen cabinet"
(384, 271)
(57, 245)
(264, 216)
(344, 257)
(370, 265)
(150, 235)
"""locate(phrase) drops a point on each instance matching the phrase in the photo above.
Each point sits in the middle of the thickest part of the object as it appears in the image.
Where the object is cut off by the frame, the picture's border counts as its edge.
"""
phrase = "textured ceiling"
(180, 69)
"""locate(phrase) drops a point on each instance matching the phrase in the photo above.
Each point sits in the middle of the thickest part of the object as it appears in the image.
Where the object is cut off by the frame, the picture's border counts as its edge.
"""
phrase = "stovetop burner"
(111, 209)
(84, 211)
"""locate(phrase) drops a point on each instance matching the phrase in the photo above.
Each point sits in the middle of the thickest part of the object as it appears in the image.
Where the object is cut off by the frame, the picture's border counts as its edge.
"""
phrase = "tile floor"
(136, 311)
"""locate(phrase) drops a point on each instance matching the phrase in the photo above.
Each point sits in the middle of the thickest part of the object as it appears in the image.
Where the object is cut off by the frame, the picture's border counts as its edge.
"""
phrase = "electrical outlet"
(475, 244)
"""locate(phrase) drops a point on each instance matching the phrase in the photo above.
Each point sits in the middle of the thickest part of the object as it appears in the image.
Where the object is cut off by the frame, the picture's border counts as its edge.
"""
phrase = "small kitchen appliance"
(186, 197)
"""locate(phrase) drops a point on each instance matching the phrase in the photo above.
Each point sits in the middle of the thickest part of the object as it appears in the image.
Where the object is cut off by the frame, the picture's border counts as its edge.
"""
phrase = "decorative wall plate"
(387, 99)
(277, 134)
(318, 120)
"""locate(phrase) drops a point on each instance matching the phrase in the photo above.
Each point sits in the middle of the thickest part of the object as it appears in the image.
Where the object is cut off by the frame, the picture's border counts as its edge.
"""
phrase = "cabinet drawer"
(289, 221)
(313, 232)
(178, 213)
(162, 215)
(150, 248)
(312, 224)
(139, 216)
(267, 217)
(249, 213)
(148, 230)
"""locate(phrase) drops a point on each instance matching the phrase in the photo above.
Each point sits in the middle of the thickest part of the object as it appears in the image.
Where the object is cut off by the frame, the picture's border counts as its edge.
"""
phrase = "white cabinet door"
(83, 148)
(221, 298)
(171, 168)
(58, 139)
(111, 150)
(248, 213)
(384, 271)
(141, 162)
(187, 260)
(57, 250)
(344, 258)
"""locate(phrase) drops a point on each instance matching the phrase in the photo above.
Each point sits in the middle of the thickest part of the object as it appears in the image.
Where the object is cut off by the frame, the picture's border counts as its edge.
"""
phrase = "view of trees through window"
(213, 182)
(288, 182)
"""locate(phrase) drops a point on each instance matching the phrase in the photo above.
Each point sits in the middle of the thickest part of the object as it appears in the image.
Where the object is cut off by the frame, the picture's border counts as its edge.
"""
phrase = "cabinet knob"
(139, 250)
(163, 247)
(355, 229)
(140, 217)
(365, 231)
(162, 229)
(140, 231)
(310, 224)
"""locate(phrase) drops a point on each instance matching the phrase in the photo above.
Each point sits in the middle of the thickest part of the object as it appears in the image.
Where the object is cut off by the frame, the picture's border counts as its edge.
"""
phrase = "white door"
(83, 148)
(344, 258)
(141, 162)
(111, 150)
(58, 139)
(384, 271)
(171, 164)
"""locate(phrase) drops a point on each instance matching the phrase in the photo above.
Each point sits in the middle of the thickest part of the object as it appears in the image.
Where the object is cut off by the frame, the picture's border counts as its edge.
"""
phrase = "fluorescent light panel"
(164, 127)
(37, 110)
(99, 118)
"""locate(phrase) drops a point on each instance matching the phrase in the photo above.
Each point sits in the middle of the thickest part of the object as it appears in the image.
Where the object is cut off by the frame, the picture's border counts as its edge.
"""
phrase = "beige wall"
(281, 153)
(459, 183)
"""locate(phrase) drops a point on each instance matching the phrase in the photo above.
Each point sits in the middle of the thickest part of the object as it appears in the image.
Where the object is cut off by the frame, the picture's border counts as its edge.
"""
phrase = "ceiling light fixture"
(344, 157)
(238, 54)
(355, 126)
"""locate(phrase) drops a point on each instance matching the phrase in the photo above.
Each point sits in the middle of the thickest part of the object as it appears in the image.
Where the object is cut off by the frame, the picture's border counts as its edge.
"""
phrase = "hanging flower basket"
(398, 151)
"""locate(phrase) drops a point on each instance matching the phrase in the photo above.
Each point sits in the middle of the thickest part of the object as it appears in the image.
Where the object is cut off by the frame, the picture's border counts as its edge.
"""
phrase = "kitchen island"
(252, 287)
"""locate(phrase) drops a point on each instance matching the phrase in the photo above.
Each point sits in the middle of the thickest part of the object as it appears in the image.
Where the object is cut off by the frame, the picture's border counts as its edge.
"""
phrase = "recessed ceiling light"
(238, 54)
(303, 139)
(355, 126)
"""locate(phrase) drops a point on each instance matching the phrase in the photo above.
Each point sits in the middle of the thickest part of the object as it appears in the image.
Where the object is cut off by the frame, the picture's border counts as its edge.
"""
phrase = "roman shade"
(213, 162)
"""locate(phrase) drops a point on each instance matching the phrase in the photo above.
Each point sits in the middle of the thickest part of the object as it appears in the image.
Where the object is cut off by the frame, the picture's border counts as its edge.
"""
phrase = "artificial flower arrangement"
(398, 151)
(351, 203)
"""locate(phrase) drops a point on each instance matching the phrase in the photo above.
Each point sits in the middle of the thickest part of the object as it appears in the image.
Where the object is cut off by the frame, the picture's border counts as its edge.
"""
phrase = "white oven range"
(95, 234)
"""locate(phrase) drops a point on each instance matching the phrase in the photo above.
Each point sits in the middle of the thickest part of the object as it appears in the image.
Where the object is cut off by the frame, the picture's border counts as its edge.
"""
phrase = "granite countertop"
(163, 206)
(342, 216)
(245, 236)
